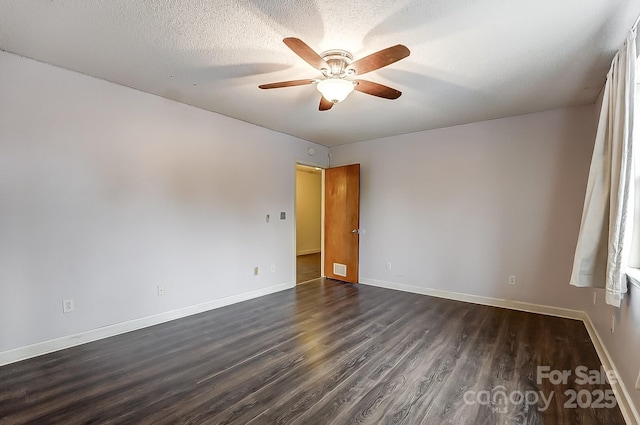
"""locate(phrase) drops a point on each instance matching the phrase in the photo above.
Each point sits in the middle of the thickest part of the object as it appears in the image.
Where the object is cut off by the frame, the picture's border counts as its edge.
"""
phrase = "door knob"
(355, 231)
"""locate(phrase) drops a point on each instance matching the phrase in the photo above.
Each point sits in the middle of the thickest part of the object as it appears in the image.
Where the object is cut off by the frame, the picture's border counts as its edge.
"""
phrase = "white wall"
(460, 209)
(107, 192)
(624, 343)
(308, 211)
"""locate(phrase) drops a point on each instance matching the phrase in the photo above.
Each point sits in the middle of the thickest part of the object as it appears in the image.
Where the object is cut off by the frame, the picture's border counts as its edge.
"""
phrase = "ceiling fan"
(338, 67)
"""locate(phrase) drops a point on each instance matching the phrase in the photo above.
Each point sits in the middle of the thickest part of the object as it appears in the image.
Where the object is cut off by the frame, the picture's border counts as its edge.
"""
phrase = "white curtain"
(604, 240)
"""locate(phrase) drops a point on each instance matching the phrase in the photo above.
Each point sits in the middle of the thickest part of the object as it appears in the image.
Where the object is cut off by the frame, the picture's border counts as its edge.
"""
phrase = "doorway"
(308, 223)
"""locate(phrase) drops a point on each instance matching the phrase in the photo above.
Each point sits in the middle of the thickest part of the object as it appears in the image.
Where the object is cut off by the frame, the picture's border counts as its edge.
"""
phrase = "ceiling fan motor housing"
(338, 61)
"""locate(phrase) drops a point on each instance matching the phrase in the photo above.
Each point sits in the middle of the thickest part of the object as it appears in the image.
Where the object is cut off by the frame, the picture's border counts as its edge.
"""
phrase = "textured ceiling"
(471, 60)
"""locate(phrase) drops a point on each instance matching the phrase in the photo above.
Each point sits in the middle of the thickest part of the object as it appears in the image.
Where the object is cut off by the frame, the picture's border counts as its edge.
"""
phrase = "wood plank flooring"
(322, 353)
(307, 267)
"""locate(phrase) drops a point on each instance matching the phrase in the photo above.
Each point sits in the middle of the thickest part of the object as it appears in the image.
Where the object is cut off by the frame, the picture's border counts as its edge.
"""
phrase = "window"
(633, 269)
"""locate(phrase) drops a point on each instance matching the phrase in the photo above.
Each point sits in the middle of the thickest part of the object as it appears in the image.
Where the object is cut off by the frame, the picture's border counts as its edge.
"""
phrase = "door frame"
(295, 216)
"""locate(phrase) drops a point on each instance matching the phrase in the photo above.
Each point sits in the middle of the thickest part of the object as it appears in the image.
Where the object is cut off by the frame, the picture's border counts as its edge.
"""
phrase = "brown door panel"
(342, 223)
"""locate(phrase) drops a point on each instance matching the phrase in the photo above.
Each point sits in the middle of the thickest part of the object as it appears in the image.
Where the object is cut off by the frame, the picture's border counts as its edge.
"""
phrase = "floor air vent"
(340, 269)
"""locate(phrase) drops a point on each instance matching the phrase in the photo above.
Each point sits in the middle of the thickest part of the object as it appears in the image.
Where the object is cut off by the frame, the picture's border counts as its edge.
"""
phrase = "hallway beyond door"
(308, 267)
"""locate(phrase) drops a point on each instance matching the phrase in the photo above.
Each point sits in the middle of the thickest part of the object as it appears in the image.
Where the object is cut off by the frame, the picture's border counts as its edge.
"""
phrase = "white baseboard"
(308, 251)
(622, 394)
(477, 299)
(23, 353)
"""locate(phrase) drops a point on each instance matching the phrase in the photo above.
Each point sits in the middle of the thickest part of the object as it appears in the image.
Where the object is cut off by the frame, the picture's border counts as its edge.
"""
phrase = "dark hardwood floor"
(322, 353)
(307, 267)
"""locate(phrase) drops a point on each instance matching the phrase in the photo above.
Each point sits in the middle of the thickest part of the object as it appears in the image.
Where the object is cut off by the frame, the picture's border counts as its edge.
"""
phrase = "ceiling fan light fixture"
(336, 66)
(335, 89)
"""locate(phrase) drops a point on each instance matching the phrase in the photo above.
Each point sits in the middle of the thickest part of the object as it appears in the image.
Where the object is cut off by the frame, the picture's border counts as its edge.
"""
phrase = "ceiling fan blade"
(376, 89)
(380, 59)
(309, 55)
(287, 84)
(325, 104)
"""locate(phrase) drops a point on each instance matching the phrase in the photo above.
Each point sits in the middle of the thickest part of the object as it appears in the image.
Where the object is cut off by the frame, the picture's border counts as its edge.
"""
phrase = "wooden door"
(342, 223)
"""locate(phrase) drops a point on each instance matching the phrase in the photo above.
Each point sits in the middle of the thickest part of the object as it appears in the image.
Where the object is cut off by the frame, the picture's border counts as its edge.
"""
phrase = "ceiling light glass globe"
(335, 89)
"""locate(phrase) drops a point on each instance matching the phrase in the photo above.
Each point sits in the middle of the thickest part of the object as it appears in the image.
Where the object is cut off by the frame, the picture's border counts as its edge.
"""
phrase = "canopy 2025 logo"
(499, 399)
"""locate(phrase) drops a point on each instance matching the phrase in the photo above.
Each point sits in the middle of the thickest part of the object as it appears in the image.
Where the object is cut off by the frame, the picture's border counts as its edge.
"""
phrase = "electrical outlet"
(67, 306)
(512, 280)
(161, 290)
(273, 268)
(594, 298)
(268, 218)
(255, 271)
(388, 265)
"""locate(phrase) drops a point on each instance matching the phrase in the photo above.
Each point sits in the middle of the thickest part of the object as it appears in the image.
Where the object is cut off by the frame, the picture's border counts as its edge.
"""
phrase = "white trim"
(308, 251)
(627, 407)
(477, 299)
(633, 274)
(322, 201)
(45, 347)
(622, 394)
